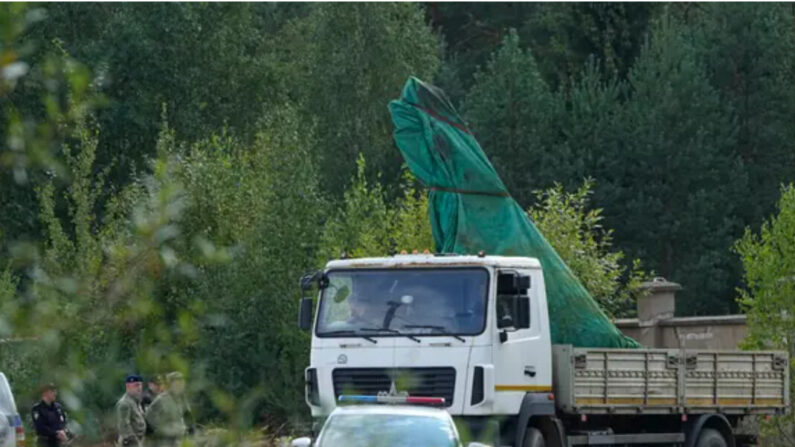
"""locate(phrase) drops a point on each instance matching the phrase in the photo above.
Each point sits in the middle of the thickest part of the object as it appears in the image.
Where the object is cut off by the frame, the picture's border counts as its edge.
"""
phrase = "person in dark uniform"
(49, 419)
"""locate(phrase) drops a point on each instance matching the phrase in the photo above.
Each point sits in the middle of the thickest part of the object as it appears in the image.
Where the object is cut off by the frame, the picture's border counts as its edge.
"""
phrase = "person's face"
(135, 389)
(357, 308)
(153, 387)
(49, 396)
(177, 386)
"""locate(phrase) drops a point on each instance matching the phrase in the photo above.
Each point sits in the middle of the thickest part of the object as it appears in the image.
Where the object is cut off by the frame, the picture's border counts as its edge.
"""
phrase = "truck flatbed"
(669, 381)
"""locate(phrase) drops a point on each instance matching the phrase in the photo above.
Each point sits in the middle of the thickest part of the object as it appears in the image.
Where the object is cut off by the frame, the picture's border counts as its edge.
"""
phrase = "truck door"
(522, 354)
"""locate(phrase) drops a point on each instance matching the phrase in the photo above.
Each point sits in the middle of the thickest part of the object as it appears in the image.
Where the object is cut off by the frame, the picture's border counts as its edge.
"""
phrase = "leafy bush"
(768, 259)
(367, 224)
(578, 236)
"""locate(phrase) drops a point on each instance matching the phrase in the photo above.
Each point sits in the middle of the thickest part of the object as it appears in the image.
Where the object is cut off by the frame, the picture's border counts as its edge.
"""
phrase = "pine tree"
(566, 35)
(515, 118)
(673, 196)
(750, 54)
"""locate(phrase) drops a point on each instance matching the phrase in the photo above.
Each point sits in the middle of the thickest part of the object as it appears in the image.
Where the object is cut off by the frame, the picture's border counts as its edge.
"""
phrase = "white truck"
(475, 331)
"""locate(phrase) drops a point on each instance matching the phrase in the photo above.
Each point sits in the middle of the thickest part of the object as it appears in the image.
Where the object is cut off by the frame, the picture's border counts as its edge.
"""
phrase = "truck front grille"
(423, 382)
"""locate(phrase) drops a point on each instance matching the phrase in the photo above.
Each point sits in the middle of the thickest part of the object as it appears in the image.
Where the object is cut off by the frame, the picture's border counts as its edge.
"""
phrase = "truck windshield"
(393, 302)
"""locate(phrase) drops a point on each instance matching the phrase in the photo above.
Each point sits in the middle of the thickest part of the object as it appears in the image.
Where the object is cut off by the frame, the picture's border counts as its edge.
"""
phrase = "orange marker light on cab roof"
(403, 252)
(414, 252)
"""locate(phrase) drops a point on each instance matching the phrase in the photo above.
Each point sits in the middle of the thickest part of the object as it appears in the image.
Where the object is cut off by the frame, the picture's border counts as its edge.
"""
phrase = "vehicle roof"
(7, 404)
(431, 260)
(405, 410)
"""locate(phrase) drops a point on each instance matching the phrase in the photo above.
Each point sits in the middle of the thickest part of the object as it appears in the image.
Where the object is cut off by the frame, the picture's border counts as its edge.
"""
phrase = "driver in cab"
(363, 312)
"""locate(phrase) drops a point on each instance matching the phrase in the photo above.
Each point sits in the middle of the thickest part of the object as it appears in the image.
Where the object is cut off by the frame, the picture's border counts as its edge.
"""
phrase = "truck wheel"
(534, 438)
(710, 437)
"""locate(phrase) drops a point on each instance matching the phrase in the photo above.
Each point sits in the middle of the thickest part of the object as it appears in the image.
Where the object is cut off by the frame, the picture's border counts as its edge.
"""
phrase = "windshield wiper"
(350, 332)
(392, 331)
(442, 330)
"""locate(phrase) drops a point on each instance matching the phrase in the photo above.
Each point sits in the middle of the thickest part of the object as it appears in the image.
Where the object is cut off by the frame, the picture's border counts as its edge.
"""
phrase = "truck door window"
(513, 302)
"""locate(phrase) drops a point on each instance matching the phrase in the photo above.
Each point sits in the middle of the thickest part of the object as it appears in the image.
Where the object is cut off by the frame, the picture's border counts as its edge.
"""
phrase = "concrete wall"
(720, 332)
(656, 327)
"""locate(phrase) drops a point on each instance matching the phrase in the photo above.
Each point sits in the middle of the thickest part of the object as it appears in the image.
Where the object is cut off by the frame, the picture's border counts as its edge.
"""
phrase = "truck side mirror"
(308, 280)
(305, 314)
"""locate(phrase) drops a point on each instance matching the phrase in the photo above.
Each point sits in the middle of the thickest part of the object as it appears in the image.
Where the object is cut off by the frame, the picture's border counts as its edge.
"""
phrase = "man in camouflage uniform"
(166, 413)
(129, 415)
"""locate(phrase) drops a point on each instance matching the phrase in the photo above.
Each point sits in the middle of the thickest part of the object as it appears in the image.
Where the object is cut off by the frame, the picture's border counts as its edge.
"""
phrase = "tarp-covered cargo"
(471, 210)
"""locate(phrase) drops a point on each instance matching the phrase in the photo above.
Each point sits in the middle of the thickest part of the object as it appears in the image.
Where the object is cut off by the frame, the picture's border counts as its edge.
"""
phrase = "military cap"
(172, 376)
(132, 378)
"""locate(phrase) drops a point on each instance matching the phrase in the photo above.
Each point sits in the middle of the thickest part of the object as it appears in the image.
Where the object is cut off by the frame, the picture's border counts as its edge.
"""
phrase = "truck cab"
(471, 329)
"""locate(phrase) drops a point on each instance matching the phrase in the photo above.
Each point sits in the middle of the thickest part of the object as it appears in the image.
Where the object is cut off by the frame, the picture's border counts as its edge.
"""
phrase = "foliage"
(366, 224)
(33, 124)
(586, 247)
(674, 195)
(207, 62)
(749, 52)
(262, 200)
(90, 298)
(768, 259)
(347, 62)
(565, 36)
(514, 114)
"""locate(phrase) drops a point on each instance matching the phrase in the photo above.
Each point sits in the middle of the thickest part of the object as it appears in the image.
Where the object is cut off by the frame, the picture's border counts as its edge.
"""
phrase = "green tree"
(768, 259)
(472, 32)
(209, 63)
(673, 197)
(368, 224)
(750, 58)
(578, 236)
(35, 120)
(564, 36)
(261, 200)
(347, 61)
(515, 117)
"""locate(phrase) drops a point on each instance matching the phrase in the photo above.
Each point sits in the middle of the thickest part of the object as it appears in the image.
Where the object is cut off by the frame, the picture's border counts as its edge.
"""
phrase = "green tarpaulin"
(471, 210)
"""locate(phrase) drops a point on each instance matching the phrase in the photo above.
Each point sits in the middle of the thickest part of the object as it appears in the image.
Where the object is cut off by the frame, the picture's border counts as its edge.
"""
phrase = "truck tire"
(710, 437)
(534, 438)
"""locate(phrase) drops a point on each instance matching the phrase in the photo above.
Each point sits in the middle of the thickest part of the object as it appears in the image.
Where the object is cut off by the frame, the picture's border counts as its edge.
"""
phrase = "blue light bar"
(391, 399)
(358, 398)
